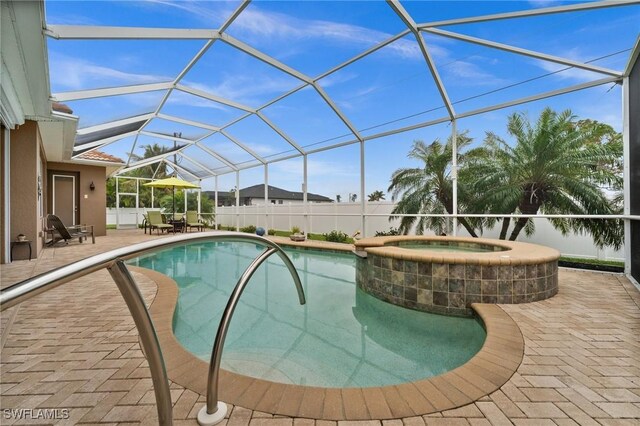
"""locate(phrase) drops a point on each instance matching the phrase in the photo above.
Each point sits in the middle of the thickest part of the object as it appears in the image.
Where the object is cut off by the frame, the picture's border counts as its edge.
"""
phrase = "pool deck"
(76, 348)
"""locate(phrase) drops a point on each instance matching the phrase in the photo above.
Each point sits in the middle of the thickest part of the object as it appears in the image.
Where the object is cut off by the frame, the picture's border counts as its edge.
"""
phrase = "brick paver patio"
(76, 348)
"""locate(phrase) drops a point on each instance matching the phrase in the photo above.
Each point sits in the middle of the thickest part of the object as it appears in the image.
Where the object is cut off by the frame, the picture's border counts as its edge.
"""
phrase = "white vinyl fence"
(325, 217)
(126, 217)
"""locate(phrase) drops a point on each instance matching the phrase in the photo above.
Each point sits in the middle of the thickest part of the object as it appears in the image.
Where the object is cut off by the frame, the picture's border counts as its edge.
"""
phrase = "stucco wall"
(25, 149)
(93, 204)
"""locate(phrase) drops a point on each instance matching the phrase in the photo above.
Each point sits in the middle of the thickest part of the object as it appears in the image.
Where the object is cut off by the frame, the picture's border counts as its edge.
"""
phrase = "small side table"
(15, 243)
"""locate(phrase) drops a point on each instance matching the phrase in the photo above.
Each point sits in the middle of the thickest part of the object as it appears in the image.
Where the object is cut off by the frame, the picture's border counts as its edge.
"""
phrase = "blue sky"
(389, 89)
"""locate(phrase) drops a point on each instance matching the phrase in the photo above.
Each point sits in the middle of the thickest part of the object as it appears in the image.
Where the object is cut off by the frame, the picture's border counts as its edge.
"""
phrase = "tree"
(166, 202)
(429, 188)
(556, 166)
(353, 197)
(376, 196)
(159, 170)
(338, 198)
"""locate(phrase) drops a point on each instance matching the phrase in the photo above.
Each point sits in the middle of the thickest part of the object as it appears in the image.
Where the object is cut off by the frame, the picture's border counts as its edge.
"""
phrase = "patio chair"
(155, 221)
(67, 233)
(145, 222)
(192, 221)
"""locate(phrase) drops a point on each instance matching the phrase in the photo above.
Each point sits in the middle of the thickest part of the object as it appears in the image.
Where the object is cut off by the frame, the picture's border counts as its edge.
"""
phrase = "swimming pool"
(342, 337)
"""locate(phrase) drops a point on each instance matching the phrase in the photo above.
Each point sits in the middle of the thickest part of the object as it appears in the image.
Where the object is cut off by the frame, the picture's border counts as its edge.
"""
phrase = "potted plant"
(297, 235)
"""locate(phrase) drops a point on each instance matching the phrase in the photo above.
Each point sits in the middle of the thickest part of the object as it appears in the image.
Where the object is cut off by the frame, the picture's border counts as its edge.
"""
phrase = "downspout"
(454, 173)
(237, 200)
(304, 194)
(6, 192)
(363, 200)
(266, 196)
(216, 204)
(626, 175)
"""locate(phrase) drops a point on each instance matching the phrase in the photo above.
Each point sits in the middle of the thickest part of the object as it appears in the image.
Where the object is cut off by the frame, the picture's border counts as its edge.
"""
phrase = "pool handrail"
(113, 260)
(214, 410)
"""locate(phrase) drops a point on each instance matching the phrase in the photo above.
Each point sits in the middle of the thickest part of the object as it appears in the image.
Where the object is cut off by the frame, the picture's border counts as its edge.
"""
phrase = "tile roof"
(257, 191)
(99, 156)
(60, 107)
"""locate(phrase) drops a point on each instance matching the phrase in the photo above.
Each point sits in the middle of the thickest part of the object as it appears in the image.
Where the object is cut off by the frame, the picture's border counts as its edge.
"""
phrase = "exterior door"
(64, 198)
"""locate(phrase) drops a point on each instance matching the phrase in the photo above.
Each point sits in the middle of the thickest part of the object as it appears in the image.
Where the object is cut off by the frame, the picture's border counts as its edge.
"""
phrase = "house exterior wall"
(92, 204)
(25, 148)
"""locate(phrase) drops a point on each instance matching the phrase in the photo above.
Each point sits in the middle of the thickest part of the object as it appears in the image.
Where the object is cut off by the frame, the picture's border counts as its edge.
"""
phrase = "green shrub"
(390, 232)
(251, 229)
(272, 232)
(337, 237)
(295, 230)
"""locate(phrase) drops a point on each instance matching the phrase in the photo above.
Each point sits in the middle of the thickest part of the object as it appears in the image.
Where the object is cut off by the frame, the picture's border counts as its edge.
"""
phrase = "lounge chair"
(192, 221)
(67, 233)
(155, 221)
(145, 222)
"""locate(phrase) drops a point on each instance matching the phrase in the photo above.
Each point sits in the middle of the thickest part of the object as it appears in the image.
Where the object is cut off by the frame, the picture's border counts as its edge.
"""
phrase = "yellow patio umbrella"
(172, 182)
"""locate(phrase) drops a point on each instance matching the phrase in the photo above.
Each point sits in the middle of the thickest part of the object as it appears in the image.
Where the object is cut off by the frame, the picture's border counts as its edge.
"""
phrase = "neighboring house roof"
(99, 156)
(60, 107)
(275, 193)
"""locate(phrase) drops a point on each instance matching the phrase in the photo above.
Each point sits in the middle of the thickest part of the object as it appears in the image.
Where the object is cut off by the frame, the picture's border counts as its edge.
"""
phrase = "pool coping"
(517, 253)
(495, 363)
(313, 244)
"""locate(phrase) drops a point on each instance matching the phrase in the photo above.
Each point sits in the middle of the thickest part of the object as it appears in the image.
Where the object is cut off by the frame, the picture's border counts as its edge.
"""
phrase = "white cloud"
(178, 97)
(573, 73)
(76, 74)
(207, 13)
(262, 149)
(280, 27)
(468, 73)
(255, 22)
(244, 88)
(337, 78)
(543, 3)
(70, 19)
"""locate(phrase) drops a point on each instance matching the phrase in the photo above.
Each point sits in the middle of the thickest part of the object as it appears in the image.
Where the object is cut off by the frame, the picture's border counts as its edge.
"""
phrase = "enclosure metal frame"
(417, 30)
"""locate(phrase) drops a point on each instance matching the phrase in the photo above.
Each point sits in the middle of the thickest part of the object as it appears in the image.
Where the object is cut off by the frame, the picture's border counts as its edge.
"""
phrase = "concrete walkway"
(74, 351)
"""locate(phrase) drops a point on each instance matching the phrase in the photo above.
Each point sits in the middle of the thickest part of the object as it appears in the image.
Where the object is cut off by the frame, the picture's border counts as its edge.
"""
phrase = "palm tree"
(555, 166)
(376, 196)
(429, 189)
(159, 170)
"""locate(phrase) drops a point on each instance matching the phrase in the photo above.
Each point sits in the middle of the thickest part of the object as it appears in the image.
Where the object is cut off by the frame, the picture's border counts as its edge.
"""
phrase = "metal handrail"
(214, 411)
(114, 261)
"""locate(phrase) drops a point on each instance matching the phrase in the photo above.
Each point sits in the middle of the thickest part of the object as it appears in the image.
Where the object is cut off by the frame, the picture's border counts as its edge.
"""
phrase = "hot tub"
(447, 274)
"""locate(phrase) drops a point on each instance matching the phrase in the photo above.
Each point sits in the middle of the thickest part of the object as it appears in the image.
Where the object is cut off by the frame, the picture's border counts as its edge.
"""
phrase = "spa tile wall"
(452, 288)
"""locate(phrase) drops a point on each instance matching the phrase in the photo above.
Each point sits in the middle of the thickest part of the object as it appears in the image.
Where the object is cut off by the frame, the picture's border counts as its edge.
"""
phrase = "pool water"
(439, 247)
(342, 337)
